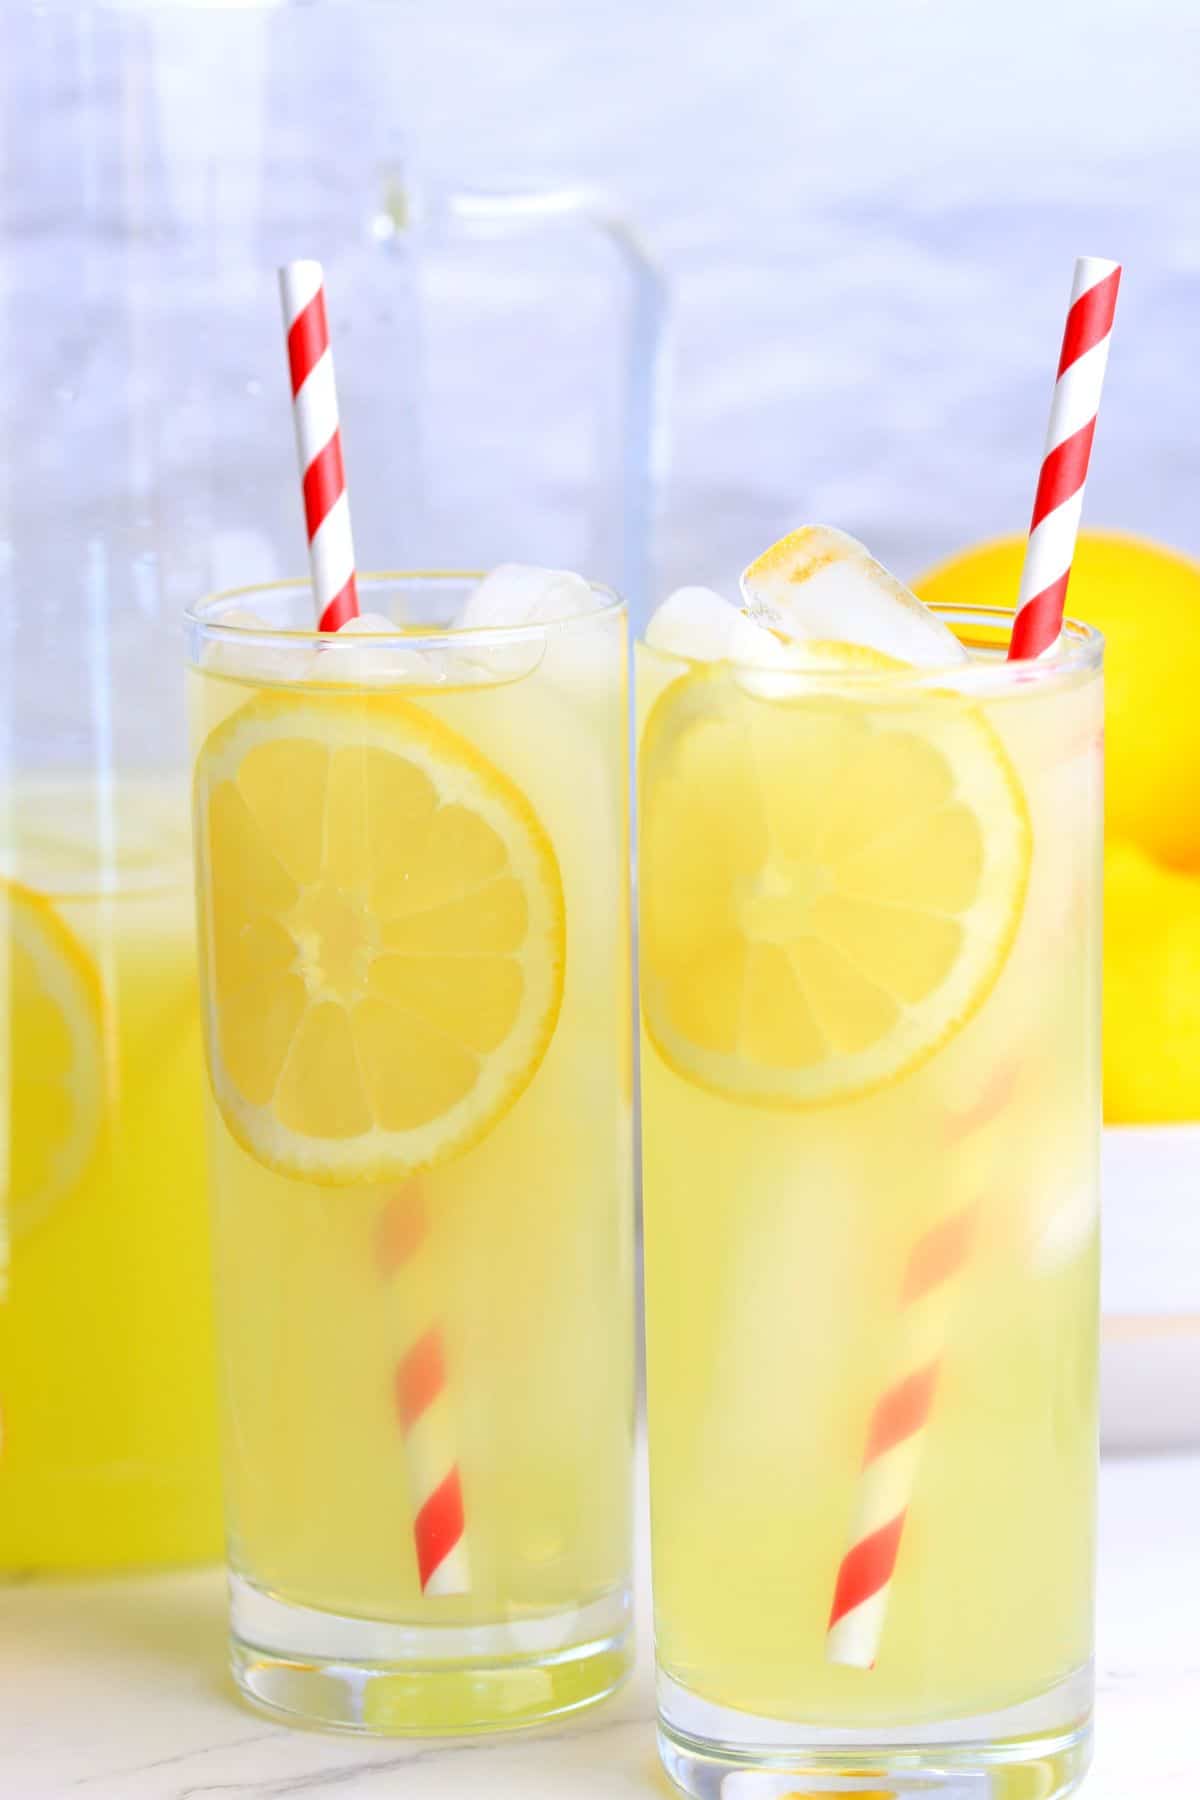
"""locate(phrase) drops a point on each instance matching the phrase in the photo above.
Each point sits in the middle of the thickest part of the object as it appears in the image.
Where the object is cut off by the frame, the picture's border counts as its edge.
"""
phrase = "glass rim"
(1078, 650)
(198, 616)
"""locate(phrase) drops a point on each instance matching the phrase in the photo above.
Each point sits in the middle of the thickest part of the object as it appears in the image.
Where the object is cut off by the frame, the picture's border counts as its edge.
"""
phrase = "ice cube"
(1065, 1230)
(702, 625)
(251, 661)
(819, 584)
(367, 623)
(767, 665)
(516, 594)
(523, 594)
(696, 622)
(243, 619)
(342, 658)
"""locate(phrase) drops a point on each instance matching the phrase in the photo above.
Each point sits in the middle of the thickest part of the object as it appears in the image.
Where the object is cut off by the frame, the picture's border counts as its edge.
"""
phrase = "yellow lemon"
(54, 1041)
(1151, 989)
(1146, 601)
(384, 936)
(830, 885)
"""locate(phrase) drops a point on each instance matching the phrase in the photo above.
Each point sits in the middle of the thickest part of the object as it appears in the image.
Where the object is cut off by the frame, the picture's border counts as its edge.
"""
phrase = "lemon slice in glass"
(830, 882)
(384, 935)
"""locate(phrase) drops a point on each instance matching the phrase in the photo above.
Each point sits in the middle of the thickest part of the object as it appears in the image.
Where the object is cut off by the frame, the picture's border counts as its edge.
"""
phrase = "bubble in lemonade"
(411, 875)
(109, 1422)
(870, 1098)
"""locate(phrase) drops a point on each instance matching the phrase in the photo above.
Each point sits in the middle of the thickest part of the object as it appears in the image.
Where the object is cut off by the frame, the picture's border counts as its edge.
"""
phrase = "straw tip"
(1091, 269)
(299, 282)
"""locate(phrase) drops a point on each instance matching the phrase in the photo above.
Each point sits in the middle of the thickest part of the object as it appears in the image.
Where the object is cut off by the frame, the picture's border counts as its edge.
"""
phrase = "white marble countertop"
(116, 1690)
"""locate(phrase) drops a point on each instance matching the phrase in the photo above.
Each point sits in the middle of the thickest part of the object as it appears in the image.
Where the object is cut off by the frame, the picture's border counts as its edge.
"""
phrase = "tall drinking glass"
(869, 951)
(145, 458)
(412, 874)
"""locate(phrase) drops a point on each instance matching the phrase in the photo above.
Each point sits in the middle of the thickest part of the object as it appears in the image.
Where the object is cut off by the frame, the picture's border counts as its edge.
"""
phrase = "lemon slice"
(54, 1043)
(830, 884)
(384, 937)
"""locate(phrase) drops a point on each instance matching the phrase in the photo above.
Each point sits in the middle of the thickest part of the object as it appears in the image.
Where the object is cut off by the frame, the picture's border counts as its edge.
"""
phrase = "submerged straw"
(930, 1293)
(1058, 503)
(929, 1298)
(419, 1374)
(421, 1396)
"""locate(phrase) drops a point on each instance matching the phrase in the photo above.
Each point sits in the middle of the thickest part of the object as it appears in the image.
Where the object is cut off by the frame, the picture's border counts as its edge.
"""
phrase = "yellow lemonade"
(107, 1390)
(869, 915)
(417, 965)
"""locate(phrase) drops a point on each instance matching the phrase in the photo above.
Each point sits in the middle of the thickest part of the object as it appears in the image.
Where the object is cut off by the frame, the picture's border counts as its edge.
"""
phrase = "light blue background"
(868, 212)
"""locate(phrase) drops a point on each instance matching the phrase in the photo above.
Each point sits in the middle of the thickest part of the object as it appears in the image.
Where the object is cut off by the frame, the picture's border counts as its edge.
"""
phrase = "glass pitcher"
(495, 358)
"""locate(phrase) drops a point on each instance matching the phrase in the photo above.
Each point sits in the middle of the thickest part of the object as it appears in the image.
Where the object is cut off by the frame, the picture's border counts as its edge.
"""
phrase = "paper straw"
(930, 1294)
(421, 1398)
(319, 443)
(419, 1374)
(931, 1286)
(1058, 503)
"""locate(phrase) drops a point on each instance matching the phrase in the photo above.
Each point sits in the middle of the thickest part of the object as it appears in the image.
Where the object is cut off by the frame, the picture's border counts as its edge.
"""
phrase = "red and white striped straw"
(931, 1291)
(929, 1295)
(319, 443)
(933, 1279)
(419, 1373)
(420, 1390)
(1058, 503)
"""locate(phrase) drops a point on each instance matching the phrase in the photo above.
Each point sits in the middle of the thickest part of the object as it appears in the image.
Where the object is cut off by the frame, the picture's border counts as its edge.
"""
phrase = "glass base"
(1039, 1750)
(371, 1676)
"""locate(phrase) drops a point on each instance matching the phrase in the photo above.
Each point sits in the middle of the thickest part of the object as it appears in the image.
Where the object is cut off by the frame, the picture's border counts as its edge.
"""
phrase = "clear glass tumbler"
(146, 457)
(869, 950)
(412, 872)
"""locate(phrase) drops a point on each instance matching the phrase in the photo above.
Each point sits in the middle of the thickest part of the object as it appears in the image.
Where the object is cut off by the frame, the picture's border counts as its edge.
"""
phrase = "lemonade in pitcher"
(108, 1453)
(412, 878)
(869, 857)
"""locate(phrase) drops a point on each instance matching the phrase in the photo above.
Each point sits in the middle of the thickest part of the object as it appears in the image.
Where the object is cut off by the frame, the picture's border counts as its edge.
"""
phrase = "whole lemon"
(1146, 601)
(1151, 989)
